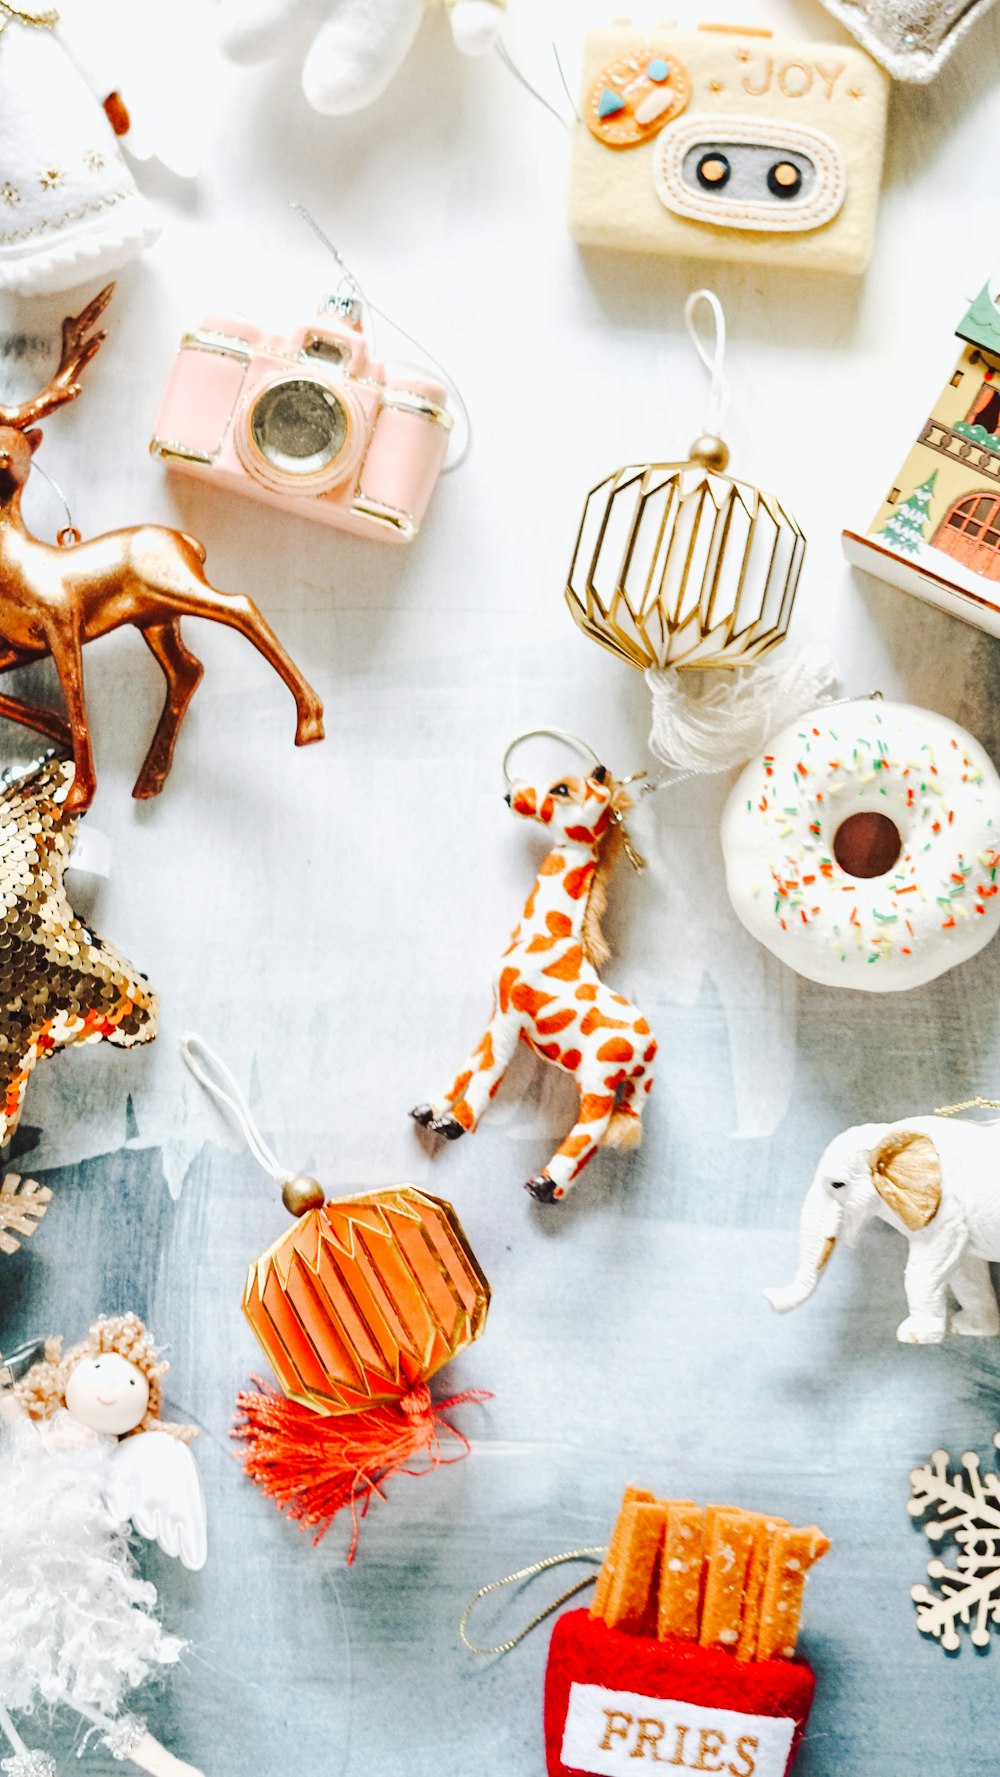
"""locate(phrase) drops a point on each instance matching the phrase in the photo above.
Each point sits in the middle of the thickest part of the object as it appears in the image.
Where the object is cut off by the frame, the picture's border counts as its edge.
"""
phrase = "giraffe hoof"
(543, 1189)
(423, 1114)
(448, 1126)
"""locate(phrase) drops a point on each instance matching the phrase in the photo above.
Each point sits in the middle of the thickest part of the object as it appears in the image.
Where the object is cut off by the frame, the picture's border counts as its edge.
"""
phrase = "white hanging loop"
(191, 1046)
(712, 355)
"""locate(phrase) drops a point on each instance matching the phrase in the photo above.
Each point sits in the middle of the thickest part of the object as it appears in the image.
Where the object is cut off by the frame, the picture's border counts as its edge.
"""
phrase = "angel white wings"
(84, 1456)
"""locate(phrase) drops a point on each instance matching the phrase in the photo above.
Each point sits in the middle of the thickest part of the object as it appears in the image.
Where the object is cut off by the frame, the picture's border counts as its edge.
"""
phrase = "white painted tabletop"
(330, 919)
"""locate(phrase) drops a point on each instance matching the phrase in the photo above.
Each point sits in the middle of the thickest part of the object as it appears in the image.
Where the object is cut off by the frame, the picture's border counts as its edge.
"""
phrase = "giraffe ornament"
(548, 992)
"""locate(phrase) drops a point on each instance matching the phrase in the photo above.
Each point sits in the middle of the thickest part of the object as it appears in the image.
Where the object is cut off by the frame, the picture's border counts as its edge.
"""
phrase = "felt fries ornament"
(356, 1307)
(690, 577)
(56, 597)
(69, 208)
(687, 1656)
(59, 982)
(84, 1457)
(359, 48)
(548, 992)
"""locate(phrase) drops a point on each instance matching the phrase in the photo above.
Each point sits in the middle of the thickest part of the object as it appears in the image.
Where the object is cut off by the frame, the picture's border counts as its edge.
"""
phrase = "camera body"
(311, 422)
(728, 144)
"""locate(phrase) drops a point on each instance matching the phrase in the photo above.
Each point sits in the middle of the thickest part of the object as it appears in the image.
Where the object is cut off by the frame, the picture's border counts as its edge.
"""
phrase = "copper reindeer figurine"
(56, 597)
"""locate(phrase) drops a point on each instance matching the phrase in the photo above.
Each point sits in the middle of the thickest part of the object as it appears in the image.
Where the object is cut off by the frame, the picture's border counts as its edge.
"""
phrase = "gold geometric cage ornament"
(677, 565)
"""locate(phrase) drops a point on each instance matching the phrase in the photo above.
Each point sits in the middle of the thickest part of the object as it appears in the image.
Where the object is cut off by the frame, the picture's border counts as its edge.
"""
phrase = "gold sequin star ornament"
(356, 1306)
(59, 982)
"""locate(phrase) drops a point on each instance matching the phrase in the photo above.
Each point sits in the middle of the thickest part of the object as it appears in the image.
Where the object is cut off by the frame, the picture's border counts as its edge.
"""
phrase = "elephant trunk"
(819, 1226)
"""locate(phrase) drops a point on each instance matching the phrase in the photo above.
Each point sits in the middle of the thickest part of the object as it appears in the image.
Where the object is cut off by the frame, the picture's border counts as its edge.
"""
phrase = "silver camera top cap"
(346, 308)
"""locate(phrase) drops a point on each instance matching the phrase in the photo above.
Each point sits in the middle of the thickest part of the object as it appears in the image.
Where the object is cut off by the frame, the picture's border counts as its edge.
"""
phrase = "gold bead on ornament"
(302, 1194)
(710, 452)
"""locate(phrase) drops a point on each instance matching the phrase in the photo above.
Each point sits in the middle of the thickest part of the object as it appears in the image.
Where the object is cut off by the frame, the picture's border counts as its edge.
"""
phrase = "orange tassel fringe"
(312, 1465)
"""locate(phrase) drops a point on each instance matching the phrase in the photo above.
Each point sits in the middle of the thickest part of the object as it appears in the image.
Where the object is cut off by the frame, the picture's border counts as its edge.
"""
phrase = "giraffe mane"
(596, 948)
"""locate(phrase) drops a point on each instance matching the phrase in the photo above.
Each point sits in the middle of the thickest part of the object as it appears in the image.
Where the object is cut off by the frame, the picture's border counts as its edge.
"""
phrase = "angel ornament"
(69, 207)
(84, 1456)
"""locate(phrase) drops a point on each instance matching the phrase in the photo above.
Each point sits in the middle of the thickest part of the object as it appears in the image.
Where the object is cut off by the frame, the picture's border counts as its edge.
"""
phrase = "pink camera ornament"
(312, 422)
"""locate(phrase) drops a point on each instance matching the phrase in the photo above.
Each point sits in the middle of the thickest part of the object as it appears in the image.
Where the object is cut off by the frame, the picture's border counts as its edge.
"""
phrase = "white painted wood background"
(330, 920)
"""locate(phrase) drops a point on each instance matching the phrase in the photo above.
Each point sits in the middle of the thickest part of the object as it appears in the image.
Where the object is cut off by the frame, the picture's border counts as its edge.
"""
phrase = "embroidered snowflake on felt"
(968, 1514)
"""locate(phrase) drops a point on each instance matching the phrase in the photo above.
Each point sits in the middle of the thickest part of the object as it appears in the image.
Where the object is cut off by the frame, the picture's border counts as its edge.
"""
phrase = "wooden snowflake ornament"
(968, 1508)
(23, 1203)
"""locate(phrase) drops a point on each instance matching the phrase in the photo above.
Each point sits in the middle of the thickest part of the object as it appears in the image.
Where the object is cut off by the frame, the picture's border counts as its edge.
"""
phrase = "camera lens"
(299, 427)
(713, 171)
(784, 179)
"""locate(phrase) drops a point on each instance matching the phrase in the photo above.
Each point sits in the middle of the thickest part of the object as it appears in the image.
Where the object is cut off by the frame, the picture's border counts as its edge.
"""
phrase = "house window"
(956, 379)
(985, 410)
(893, 496)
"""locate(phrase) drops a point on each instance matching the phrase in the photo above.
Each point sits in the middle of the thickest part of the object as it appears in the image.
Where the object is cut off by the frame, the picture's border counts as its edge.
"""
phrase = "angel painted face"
(108, 1394)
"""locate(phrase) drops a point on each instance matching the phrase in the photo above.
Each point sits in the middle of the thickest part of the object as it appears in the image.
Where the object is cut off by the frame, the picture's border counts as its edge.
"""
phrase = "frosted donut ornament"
(547, 991)
(84, 1457)
(861, 847)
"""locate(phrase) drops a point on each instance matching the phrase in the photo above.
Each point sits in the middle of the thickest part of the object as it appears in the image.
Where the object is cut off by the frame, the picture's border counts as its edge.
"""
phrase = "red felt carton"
(614, 1699)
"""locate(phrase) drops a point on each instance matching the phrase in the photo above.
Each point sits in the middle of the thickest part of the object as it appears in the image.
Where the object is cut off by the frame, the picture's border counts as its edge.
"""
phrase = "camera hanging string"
(352, 283)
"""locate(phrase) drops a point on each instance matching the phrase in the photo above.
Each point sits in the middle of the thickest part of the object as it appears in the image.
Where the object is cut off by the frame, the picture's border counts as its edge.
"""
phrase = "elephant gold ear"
(906, 1173)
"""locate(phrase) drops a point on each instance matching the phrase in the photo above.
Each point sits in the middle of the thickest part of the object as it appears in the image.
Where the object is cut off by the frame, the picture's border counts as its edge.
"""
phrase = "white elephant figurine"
(360, 46)
(936, 1180)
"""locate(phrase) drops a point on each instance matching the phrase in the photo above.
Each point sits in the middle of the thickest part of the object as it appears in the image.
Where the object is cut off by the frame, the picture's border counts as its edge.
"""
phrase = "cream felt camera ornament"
(359, 48)
(726, 144)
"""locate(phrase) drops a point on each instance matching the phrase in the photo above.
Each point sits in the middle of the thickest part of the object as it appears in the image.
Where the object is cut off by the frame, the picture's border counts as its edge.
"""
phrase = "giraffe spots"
(648, 1054)
(580, 835)
(458, 1089)
(566, 967)
(587, 991)
(462, 1113)
(547, 810)
(595, 1020)
(572, 1059)
(594, 1106)
(649, 1084)
(559, 926)
(548, 1027)
(529, 906)
(523, 800)
(577, 881)
(549, 1050)
(552, 865)
(641, 1027)
(528, 999)
(615, 1049)
(619, 1001)
(614, 1081)
(506, 982)
(487, 1060)
(574, 1146)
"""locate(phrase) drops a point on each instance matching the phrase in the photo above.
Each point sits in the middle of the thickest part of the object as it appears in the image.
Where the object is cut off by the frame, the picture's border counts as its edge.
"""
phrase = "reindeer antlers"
(79, 343)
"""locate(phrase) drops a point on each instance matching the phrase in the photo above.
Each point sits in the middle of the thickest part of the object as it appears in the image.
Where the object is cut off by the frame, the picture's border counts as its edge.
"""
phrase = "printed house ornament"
(861, 846)
(85, 1456)
(967, 1513)
(937, 1181)
(548, 992)
(69, 208)
(356, 1307)
(59, 982)
(728, 144)
(937, 531)
(55, 598)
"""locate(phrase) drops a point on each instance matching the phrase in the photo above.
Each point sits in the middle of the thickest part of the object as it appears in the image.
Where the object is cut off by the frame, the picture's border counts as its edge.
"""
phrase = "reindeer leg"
(67, 652)
(240, 613)
(182, 671)
(33, 715)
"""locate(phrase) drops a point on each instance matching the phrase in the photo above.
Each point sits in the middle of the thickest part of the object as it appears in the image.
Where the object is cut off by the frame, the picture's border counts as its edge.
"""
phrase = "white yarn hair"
(78, 1621)
(714, 720)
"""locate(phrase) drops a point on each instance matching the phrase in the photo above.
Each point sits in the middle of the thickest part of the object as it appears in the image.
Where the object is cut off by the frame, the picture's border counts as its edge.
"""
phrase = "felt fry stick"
(610, 1563)
(727, 1557)
(680, 1573)
(760, 1555)
(793, 1552)
(643, 1526)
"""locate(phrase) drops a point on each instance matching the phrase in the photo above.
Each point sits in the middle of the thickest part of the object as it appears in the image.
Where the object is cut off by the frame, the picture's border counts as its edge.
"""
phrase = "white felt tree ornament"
(360, 46)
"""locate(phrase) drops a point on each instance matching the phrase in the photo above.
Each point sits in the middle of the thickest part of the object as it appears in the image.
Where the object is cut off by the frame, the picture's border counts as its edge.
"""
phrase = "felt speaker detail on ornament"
(356, 1306)
(311, 422)
(862, 846)
(728, 144)
(937, 1181)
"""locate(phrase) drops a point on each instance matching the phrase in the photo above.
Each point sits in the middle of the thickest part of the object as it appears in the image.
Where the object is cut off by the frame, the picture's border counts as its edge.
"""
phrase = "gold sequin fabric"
(59, 982)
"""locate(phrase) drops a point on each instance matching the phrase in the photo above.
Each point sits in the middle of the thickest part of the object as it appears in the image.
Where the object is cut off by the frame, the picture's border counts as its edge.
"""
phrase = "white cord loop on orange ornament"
(192, 1046)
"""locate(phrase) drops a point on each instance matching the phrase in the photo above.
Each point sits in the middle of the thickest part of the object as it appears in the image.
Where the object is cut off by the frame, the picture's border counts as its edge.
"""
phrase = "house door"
(985, 410)
(971, 533)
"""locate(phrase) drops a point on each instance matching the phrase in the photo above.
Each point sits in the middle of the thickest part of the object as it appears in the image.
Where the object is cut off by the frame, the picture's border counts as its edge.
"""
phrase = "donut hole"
(867, 844)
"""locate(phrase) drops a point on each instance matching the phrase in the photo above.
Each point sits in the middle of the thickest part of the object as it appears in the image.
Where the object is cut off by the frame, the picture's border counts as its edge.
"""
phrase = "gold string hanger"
(592, 1553)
